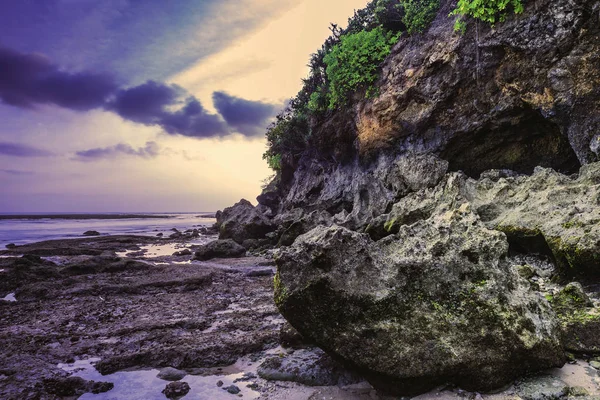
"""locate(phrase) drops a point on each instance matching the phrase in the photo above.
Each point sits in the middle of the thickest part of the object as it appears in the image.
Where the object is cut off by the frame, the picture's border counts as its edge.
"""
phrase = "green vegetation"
(354, 63)
(490, 11)
(349, 63)
(418, 14)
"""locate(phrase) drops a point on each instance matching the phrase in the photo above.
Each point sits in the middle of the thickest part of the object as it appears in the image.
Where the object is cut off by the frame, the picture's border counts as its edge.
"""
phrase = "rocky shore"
(447, 230)
(123, 316)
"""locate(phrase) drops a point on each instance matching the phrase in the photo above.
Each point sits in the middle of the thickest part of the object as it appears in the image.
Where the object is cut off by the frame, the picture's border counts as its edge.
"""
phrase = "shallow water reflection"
(144, 385)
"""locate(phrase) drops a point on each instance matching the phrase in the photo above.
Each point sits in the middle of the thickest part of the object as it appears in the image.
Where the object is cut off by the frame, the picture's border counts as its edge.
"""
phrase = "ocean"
(21, 229)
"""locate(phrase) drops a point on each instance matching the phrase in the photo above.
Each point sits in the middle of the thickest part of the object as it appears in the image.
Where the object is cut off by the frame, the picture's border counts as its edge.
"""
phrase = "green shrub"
(418, 14)
(273, 161)
(490, 11)
(354, 63)
(287, 135)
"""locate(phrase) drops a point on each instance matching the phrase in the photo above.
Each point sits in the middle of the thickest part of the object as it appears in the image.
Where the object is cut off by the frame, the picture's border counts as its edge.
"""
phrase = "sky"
(147, 106)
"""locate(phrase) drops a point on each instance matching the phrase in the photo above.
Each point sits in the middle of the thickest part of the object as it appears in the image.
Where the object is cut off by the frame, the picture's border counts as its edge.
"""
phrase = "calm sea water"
(20, 231)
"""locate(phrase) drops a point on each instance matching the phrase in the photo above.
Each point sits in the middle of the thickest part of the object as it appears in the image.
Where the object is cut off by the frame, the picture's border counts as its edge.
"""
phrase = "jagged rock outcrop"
(400, 224)
(243, 221)
(436, 302)
(523, 94)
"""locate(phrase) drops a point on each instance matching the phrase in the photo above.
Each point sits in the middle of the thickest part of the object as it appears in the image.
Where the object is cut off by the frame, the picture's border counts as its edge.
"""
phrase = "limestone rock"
(310, 367)
(435, 302)
(243, 221)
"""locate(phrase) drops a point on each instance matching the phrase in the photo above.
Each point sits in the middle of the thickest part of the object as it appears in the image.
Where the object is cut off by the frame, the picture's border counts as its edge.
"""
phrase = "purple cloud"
(22, 150)
(27, 80)
(247, 117)
(150, 104)
(150, 150)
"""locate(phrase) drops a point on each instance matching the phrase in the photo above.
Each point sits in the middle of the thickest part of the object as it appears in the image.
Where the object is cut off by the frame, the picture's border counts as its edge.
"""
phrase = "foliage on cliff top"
(349, 62)
(490, 11)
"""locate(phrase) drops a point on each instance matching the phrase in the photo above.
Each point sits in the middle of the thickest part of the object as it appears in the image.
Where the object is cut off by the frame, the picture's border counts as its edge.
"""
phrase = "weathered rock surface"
(176, 390)
(306, 366)
(436, 302)
(243, 221)
(220, 249)
(522, 94)
(171, 374)
(405, 213)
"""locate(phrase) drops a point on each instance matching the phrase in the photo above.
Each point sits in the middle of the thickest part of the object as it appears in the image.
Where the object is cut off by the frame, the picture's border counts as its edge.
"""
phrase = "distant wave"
(83, 216)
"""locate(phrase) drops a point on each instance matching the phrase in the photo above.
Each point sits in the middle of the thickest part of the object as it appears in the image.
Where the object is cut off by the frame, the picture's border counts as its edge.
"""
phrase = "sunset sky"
(154, 105)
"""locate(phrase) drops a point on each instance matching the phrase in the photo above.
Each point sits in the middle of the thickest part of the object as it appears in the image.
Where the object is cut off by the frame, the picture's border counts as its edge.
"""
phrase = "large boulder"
(243, 221)
(436, 302)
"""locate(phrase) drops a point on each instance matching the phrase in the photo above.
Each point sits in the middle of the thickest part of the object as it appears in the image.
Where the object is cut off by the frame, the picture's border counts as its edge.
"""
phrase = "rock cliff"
(426, 234)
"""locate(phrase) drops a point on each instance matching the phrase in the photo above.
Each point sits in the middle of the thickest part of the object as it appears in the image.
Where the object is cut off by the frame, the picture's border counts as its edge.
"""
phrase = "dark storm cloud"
(247, 117)
(150, 150)
(30, 79)
(151, 104)
(27, 80)
(22, 150)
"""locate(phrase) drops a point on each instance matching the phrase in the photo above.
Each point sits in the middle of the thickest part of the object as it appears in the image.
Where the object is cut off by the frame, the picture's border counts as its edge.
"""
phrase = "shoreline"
(123, 310)
(83, 216)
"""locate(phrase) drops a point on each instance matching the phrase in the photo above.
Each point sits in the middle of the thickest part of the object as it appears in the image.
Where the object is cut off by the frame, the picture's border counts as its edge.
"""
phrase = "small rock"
(578, 391)
(219, 383)
(542, 388)
(260, 272)
(11, 246)
(233, 389)
(176, 390)
(184, 252)
(159, 234)
(595, 364)
(91, 233)
(526, 271)
(171, 374)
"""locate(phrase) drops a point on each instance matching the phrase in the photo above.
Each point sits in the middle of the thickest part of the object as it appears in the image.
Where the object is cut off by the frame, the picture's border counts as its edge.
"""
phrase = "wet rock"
(260, 272)
(542, 388)
(75, 386)
(11, 246)
(580, 320)
(436, 300)
(233, 389)
(181, 253)
(171, 374)
(310, 367)
(243, 221)
(91, 233)
(226, 248)
(246, 377)
(159, 234)
(219, 383)
(176, 390)
(595, 364)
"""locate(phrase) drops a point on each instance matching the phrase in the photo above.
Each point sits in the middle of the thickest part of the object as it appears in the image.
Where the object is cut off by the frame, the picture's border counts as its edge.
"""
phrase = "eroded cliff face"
(525, 93)
(427, 235)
